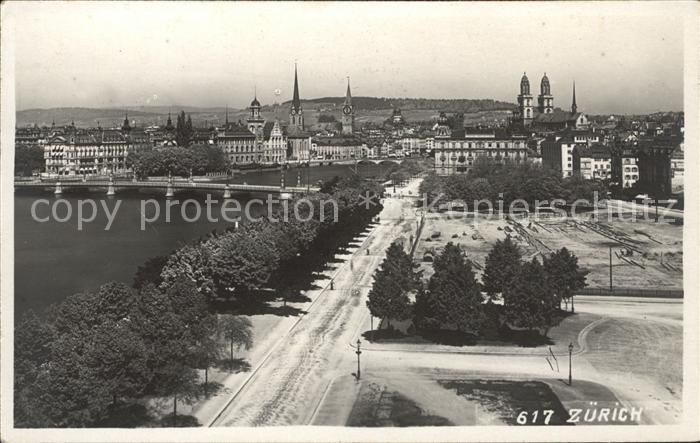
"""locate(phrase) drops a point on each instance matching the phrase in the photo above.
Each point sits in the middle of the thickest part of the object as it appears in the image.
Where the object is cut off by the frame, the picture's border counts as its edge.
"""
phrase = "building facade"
(86, 153)
(238, 144)
(456, 153)
(275, 144)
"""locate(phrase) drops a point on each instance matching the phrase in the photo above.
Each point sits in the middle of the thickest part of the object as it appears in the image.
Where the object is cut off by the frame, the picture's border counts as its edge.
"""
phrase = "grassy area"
(377, 406)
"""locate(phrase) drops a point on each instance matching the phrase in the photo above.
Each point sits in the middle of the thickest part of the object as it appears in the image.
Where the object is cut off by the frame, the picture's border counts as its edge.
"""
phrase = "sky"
(623, 58)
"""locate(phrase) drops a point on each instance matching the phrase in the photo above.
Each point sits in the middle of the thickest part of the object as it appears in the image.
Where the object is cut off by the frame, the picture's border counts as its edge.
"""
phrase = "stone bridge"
(170, 186)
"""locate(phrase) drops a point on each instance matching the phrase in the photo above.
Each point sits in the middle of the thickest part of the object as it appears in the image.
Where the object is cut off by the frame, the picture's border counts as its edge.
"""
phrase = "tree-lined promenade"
(93, 358)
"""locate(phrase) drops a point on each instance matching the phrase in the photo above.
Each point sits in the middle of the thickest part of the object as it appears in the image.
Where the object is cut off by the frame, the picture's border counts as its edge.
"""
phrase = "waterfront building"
(338, 148)
(456, 151)
(274, 143)
(86, 153)
(238, 144)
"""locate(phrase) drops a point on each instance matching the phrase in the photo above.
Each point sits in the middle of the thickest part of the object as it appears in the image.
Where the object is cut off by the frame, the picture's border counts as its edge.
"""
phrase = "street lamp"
(358, 352)
(571, 350)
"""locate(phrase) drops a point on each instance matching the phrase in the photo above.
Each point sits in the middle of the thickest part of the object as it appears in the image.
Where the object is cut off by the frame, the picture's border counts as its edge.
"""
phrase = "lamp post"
(611, 271)
(571, 350)
(358, 352)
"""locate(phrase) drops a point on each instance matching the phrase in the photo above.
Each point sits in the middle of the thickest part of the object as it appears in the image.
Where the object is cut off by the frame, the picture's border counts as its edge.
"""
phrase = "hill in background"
(367, 109)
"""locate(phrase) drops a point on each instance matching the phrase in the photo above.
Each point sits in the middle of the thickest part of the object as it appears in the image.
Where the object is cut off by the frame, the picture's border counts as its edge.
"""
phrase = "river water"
(55, 259)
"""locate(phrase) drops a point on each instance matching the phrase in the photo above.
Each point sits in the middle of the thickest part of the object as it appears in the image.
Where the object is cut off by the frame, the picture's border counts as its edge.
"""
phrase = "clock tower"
(296, 114)
(348, 118)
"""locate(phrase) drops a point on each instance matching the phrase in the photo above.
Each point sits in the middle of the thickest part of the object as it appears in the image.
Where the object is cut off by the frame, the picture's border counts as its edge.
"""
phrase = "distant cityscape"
(622, 150)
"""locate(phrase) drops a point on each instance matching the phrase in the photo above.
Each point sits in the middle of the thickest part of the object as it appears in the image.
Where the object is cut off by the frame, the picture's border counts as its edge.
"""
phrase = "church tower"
(545, 101)
(255, 120)
(443, 129)
(348, 118)
(296, 113)
(525, 101)
(574, 109)
(126, 127)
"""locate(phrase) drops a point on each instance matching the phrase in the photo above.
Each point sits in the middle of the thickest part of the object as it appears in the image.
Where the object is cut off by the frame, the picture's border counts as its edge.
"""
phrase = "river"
(55, 259)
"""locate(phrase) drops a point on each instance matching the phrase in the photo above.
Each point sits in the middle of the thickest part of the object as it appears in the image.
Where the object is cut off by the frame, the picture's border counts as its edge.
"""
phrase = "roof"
(555, 117)
(338, 141)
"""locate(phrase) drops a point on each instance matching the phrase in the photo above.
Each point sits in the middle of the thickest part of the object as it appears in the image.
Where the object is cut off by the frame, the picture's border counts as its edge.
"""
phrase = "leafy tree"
(28, 159)
(432, 187)
(564, 275)
(502, 263)
(395, 279)
(193, 262)
(33, 339)
(528, 300)
(68, 391)
(150, 272)
(119, 357)
(236, 331)
(453, 298)
(172, 324)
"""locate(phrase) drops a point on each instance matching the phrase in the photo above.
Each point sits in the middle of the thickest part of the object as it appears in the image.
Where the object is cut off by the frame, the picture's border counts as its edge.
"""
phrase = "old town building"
(84, 153)
(456, 151)
(238, 144)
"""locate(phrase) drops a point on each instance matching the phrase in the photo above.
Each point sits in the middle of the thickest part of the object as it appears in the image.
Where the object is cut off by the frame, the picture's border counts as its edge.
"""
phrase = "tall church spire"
(296, 103)
(296, 114)
(573, 101)
(125, 125)
(226, 116)
(348, 95)
(348, 117)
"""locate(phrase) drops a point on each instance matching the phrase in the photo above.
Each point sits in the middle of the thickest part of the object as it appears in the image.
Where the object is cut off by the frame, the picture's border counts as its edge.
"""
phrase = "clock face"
(293, 112)
(347, 110)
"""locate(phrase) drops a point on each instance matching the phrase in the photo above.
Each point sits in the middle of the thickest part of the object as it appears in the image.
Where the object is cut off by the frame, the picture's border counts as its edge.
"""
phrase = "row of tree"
(237, 264)
(178, 161)
(492, 181)
(96, 351)
(453, 299)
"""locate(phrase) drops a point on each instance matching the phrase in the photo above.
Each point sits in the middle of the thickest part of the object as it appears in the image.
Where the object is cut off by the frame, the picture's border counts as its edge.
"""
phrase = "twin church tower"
(527, 112)
(296, 112)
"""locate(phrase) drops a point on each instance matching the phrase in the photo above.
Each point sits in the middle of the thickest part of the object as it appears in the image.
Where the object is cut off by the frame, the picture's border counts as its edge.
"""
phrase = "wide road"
(287, 387)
